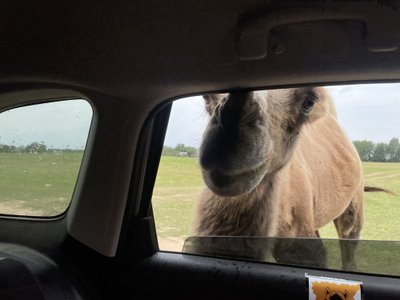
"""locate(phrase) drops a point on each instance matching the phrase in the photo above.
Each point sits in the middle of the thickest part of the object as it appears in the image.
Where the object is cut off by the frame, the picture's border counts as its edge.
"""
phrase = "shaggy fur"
(278, 164)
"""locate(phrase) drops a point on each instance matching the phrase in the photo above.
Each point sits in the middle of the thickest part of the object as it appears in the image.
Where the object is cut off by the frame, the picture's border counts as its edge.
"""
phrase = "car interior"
(116, 68)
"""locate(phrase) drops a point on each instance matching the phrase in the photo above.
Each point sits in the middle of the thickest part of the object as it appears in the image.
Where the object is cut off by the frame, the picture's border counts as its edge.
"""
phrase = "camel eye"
(308, 104)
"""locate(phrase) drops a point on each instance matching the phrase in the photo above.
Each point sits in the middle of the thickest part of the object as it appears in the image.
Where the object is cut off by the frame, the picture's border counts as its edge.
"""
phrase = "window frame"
(151, 144)
(31, 102)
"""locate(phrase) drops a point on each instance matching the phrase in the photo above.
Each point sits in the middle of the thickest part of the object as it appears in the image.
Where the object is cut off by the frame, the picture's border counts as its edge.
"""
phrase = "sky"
(365, 112)
(60, 125)
(369, 111)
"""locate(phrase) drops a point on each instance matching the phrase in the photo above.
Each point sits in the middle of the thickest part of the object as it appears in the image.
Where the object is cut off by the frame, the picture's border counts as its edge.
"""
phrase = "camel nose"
(209, 156)
(220, 144)
(231, 111)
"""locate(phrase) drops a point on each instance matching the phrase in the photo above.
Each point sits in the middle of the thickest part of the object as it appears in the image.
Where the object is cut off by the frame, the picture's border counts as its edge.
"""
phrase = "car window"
(41, 149)
(313, 163)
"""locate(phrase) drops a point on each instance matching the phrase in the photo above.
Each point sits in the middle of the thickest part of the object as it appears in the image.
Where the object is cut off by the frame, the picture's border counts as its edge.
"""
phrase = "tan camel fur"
(278, 164)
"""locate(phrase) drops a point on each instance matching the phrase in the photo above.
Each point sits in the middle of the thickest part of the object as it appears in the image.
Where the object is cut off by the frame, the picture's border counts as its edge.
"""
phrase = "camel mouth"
(231, 185)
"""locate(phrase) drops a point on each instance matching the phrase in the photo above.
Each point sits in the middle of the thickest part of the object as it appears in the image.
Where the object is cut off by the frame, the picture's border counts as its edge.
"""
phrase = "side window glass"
(306, 176)
(41, 149)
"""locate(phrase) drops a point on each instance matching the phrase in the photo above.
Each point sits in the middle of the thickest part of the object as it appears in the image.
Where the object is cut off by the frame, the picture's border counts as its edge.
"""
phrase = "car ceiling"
(148, 51)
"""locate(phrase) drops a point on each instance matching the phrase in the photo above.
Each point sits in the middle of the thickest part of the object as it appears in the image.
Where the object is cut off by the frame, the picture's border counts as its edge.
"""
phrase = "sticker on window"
(324, 288)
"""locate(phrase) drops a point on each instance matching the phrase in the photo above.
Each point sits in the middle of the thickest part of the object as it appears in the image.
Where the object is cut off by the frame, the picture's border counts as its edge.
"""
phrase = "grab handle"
(382, 26)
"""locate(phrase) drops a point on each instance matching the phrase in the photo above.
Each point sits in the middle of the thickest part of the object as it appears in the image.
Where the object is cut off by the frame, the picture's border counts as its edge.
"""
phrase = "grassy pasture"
(38, 184)
(179, 185)
(382, 211)
(42, 184)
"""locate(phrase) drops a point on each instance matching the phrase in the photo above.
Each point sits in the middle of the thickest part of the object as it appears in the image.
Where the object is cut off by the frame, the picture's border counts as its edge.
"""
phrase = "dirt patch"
(19, 209)
(378, 176)
(389, 176)
(173, 244)
(374, 174)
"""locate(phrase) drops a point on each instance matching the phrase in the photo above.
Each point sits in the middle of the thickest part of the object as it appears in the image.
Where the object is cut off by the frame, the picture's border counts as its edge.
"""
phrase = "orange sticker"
(324, 288)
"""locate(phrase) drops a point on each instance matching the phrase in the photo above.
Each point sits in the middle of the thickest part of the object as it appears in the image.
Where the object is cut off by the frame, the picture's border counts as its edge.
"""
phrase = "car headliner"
(148, 51)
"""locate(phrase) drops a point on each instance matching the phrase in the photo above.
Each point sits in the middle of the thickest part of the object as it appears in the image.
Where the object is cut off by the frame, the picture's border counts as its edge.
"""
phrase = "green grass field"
(42, 185)
(38, 184)
(179, 185)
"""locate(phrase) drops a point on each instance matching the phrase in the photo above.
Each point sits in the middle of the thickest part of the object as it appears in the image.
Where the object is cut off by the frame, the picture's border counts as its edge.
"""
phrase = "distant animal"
(277, 164)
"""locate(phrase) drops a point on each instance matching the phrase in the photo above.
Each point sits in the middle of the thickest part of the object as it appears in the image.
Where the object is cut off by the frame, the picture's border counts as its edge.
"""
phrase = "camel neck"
(245, 215)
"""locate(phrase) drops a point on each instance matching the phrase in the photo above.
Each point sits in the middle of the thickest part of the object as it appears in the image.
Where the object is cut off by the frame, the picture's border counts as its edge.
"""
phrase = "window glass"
(305, 163)
(41, 149)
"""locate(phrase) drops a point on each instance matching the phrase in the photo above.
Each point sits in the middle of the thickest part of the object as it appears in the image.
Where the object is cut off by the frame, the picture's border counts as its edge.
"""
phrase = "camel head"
(251, 135)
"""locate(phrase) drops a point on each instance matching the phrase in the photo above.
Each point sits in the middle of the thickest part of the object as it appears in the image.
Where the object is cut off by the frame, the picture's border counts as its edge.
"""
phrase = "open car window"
(305, 176)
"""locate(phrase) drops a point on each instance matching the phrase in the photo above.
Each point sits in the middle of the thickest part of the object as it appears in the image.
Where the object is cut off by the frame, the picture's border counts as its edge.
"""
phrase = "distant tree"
(181, 148)
(380, 153)
(36, 148)
(393, 150)
(168, 151)
(7, 148)
(365, 149)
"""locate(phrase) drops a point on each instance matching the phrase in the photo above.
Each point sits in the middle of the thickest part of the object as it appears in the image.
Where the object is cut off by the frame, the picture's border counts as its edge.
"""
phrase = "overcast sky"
(61, 124)
(369, 111)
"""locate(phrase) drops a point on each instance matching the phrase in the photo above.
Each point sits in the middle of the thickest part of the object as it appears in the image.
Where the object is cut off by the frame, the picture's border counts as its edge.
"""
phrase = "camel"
(278, 164)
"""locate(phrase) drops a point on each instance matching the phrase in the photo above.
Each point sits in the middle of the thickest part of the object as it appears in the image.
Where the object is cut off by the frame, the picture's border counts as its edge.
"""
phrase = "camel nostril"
(207, 162)
(209, 156)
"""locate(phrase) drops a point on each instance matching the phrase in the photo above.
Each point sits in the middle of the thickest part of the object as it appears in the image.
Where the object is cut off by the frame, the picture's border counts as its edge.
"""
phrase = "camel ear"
(210, 101)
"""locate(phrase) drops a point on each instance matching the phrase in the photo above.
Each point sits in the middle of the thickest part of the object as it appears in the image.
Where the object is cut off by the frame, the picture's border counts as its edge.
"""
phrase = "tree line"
(35, 147)
(368, 150)
(379, 152)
